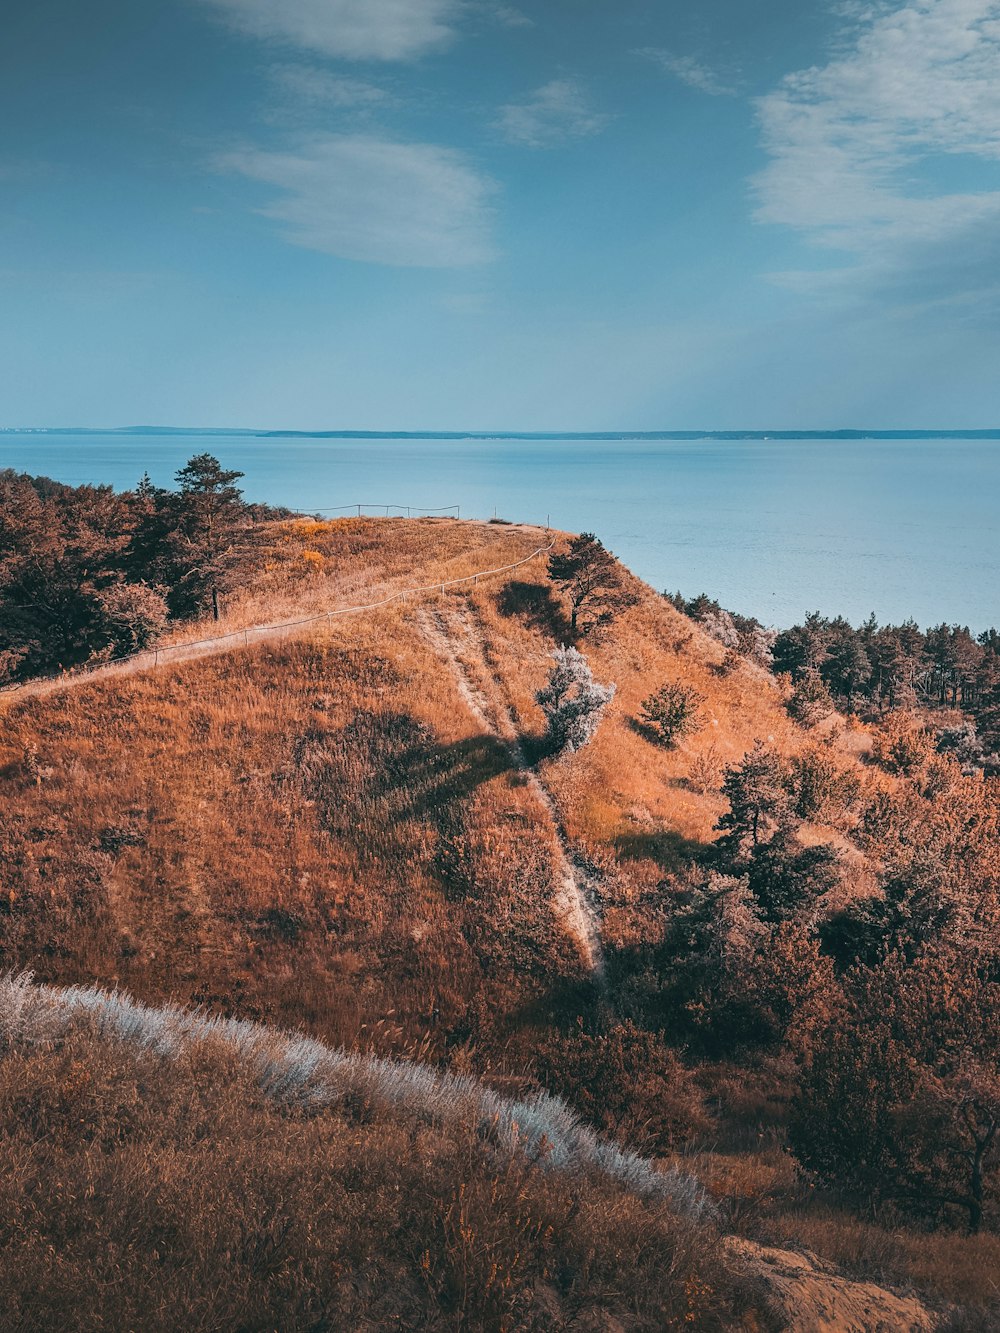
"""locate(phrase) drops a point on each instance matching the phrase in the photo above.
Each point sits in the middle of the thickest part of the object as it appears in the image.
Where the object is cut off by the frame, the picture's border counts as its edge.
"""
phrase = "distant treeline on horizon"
(990, 434)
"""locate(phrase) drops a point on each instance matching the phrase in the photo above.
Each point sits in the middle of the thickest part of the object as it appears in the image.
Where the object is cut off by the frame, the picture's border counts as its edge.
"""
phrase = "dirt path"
(457, 638)
(242, 638)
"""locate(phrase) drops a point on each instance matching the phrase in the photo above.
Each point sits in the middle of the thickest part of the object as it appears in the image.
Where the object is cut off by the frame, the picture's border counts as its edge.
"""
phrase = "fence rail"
(410, 509)
(178, 652)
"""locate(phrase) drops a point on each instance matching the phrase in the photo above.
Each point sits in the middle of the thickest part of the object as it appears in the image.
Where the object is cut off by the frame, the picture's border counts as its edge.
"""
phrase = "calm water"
(773, 528)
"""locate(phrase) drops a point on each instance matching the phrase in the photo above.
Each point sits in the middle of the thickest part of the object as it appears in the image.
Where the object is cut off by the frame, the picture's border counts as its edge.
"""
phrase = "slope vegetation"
(340, 828)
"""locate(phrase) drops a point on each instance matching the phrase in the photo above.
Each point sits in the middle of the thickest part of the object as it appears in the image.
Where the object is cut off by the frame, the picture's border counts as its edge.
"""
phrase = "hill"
(354, 828)
(332, 824)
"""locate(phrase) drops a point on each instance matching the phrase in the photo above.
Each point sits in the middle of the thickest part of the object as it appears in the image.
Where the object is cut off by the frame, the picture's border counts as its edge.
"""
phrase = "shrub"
(131, 617)
(572, 701)
(824, 791)
(811, 701)
(902, 746)
(627, 1083)
(672, 712)
(705, 771)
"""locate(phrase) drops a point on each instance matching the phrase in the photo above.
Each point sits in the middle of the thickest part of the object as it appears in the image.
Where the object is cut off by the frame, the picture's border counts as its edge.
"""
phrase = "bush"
(627, 1083)
(131, 617)
(902, 746)
(705, 771)
(824, 791)
(572, 701)
(672, 712)
(811, 701)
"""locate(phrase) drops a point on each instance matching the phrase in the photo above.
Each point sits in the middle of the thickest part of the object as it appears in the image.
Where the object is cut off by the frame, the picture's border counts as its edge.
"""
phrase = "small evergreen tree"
(672, 713)
(760, 803)
(591, 580)
(811, 701)
(209, 510)
(572, 701)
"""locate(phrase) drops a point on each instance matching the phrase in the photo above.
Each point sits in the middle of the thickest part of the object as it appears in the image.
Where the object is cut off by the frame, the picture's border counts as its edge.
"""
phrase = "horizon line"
(843, 433)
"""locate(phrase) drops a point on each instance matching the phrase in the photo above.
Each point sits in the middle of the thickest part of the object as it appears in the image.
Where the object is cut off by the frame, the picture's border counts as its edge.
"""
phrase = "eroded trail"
(244, 637)
(457, 638)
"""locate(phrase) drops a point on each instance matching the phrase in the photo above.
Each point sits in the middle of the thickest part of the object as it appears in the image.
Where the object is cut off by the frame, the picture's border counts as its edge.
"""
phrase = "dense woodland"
(800, 988)
(88, 573)
(874, 669)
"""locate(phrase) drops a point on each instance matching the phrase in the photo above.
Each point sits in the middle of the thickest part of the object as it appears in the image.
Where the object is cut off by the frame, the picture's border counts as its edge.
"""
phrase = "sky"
(468, 214)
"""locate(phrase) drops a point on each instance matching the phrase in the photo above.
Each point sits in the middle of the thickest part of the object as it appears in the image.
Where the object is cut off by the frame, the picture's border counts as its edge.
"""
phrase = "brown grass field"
(337, 832)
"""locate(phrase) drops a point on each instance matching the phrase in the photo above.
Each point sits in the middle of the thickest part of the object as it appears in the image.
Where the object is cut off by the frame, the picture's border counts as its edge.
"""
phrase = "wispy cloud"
(870, 153)
(350, 29)
(509, 17)
(311, 87)
(555, 112)
(371, 199)
(689, 71)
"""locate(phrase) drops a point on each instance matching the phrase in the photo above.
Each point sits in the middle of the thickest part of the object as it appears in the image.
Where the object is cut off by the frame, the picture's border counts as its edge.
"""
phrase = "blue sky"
(555, 214)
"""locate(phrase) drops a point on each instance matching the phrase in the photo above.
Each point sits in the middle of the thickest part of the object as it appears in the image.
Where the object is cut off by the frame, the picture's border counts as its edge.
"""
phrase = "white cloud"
(689, 71)
(381, 202)
(312, 86)
(557, 111)
(351, 29)
(882, 152)
(509, 17)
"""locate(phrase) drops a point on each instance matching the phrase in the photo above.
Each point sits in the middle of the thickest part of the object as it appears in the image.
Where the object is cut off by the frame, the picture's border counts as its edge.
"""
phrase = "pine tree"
(760, 803)
(591, 579)
(572, 701)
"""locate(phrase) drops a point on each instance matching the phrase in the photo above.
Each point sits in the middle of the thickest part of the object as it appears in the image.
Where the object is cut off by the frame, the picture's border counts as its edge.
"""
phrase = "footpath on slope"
(457, 638)
(240, 638)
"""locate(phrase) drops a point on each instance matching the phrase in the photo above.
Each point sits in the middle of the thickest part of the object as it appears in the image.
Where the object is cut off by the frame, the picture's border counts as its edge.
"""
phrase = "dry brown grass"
(154, 1191)
(318, 832)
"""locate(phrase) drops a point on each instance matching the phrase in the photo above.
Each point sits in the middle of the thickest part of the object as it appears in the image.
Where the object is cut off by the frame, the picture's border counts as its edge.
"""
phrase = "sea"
(773, 528)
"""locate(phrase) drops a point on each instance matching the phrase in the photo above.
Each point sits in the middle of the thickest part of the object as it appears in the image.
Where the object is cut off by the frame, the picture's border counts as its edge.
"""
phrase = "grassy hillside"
(330, 828)
(354, 830)
(206, 1175)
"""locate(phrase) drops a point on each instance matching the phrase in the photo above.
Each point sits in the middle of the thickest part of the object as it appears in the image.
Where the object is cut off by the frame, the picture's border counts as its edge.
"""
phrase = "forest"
(874, 669)
(88, 574)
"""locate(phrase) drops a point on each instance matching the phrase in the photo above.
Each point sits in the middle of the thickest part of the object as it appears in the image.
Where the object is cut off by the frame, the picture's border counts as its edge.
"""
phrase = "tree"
(803, 647)
(591, 579)
(901, 1100)
(786, 878)
(672, 712)
(848, 669)
(207, 515)
(810, 702)
(60, 546)
(760, 802)
(572, 701)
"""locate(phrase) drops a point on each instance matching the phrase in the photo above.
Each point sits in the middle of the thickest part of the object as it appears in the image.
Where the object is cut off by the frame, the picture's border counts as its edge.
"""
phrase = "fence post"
(359, 511)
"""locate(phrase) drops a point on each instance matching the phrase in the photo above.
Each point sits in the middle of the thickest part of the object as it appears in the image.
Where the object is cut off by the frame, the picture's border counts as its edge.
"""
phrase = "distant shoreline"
(651, 435)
